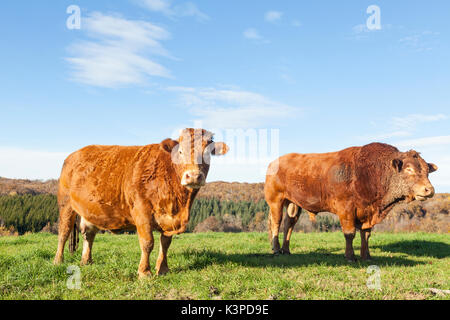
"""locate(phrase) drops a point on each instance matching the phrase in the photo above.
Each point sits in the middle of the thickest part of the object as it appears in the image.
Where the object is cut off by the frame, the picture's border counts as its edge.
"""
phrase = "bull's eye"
(410, 170)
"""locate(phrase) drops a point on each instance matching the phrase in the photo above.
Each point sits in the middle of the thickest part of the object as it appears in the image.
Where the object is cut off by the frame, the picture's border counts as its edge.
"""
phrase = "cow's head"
(411, 176)
(191, 155)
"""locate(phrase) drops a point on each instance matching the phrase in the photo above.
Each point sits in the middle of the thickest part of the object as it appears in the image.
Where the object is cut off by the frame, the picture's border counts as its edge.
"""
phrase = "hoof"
(277, 253)
(162, 271)
(145, 274)
(285, 252)
(351, 259)
(86, 263)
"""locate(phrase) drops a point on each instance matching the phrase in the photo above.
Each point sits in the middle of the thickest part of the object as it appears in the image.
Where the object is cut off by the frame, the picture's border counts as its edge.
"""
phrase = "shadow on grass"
(203, 258)
(418, 248)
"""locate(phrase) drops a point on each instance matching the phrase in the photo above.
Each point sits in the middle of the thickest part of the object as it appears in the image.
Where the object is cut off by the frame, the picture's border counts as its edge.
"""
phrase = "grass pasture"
(230, 266)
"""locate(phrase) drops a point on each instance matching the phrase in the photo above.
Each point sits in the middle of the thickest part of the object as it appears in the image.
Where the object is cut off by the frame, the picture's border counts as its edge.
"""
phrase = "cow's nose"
(428, 191)
(193, 178)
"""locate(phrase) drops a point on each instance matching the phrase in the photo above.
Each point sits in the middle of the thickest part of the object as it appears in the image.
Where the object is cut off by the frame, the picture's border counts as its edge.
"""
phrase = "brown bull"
(360, 184)
(145, 188)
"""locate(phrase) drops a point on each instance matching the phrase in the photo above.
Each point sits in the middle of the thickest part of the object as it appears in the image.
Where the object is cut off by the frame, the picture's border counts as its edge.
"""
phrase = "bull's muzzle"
(425, 193)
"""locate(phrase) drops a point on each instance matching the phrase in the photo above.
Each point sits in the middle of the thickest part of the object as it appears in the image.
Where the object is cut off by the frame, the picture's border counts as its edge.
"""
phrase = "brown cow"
(144, 187)
(360, 184)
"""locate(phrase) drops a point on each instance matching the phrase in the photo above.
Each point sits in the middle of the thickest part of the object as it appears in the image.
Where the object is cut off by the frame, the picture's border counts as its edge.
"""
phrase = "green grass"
(230, 266)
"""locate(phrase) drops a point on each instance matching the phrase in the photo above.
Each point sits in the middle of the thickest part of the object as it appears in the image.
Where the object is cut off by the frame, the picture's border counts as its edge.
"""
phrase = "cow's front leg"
(365, 235)
(146, 242)
(349, 229)
(161, 265)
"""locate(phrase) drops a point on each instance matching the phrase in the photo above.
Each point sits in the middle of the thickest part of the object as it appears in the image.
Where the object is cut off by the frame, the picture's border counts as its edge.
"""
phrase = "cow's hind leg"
(88, 231)
(293, 213)
(66, 222)
(365, 235)
(275, 217)
(146, 242)
(161, 265)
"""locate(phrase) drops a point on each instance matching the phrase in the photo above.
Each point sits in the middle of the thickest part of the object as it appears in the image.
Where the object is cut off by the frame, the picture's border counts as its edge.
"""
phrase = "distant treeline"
(31, 213)
(35, 213)
(236, 216)
(28, 213)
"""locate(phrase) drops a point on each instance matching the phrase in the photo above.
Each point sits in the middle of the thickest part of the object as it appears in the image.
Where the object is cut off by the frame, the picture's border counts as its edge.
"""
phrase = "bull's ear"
(168, 145)
(432, 167)
(220, 148)
(397, 164)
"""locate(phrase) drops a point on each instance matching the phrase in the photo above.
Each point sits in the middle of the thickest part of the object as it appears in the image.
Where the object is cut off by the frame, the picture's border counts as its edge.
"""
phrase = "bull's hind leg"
(365, 235)
(275, 217)
(88, 231)
(293, 213)
(161, 265)
(66, 223)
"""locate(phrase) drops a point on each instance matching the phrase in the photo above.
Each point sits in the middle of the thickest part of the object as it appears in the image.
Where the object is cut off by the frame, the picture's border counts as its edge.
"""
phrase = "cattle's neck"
(161, 187)
(377, 182)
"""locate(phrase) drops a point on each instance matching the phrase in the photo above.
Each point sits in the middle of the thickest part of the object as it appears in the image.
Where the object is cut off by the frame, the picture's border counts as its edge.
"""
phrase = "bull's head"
(412, 176)
(191, 155)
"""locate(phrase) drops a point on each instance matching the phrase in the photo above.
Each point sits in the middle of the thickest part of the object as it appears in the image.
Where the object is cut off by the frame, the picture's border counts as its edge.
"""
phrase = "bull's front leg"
(349, 229)
(146, 242)
(161, 264)
(365, 235)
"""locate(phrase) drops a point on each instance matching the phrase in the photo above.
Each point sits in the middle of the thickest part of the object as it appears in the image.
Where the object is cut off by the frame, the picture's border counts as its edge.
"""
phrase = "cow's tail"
(74, 236)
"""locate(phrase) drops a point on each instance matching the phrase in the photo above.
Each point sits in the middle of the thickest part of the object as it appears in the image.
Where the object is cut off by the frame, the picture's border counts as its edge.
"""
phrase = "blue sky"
(139, 70)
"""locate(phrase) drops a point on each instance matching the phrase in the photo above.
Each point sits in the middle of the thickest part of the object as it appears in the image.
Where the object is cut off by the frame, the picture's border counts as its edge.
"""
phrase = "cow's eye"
(410, 170)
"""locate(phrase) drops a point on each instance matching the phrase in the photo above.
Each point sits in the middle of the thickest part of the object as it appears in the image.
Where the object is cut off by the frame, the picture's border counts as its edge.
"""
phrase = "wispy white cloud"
(187, 9)
(412, 120)
(157, 5)
(233, 108)
(405, 126)
(420, 42)
(361, 31)
(273, 16)
(360, 28)
(254, 35)
(425, 142)
(118, 53)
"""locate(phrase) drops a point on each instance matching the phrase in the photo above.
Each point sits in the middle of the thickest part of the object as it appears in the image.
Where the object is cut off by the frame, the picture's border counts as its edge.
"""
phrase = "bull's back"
(312, 180)
(92, 181)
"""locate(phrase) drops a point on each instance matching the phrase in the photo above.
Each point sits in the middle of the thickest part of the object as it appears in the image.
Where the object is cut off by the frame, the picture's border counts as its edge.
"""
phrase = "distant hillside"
(226, 191)
(223, 191)
(431, 215)
(22, 187)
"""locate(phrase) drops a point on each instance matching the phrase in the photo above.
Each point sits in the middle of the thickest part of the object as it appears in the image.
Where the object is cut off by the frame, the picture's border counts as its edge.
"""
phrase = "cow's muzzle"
(193, 179)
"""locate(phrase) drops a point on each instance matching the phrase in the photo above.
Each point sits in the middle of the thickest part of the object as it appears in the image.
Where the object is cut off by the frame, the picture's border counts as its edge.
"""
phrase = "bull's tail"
(74, 236)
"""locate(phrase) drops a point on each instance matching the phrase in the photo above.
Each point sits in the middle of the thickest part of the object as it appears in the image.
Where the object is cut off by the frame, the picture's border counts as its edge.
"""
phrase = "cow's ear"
(397, 164)
(168, 145)
(220, 148)
(432, 167)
